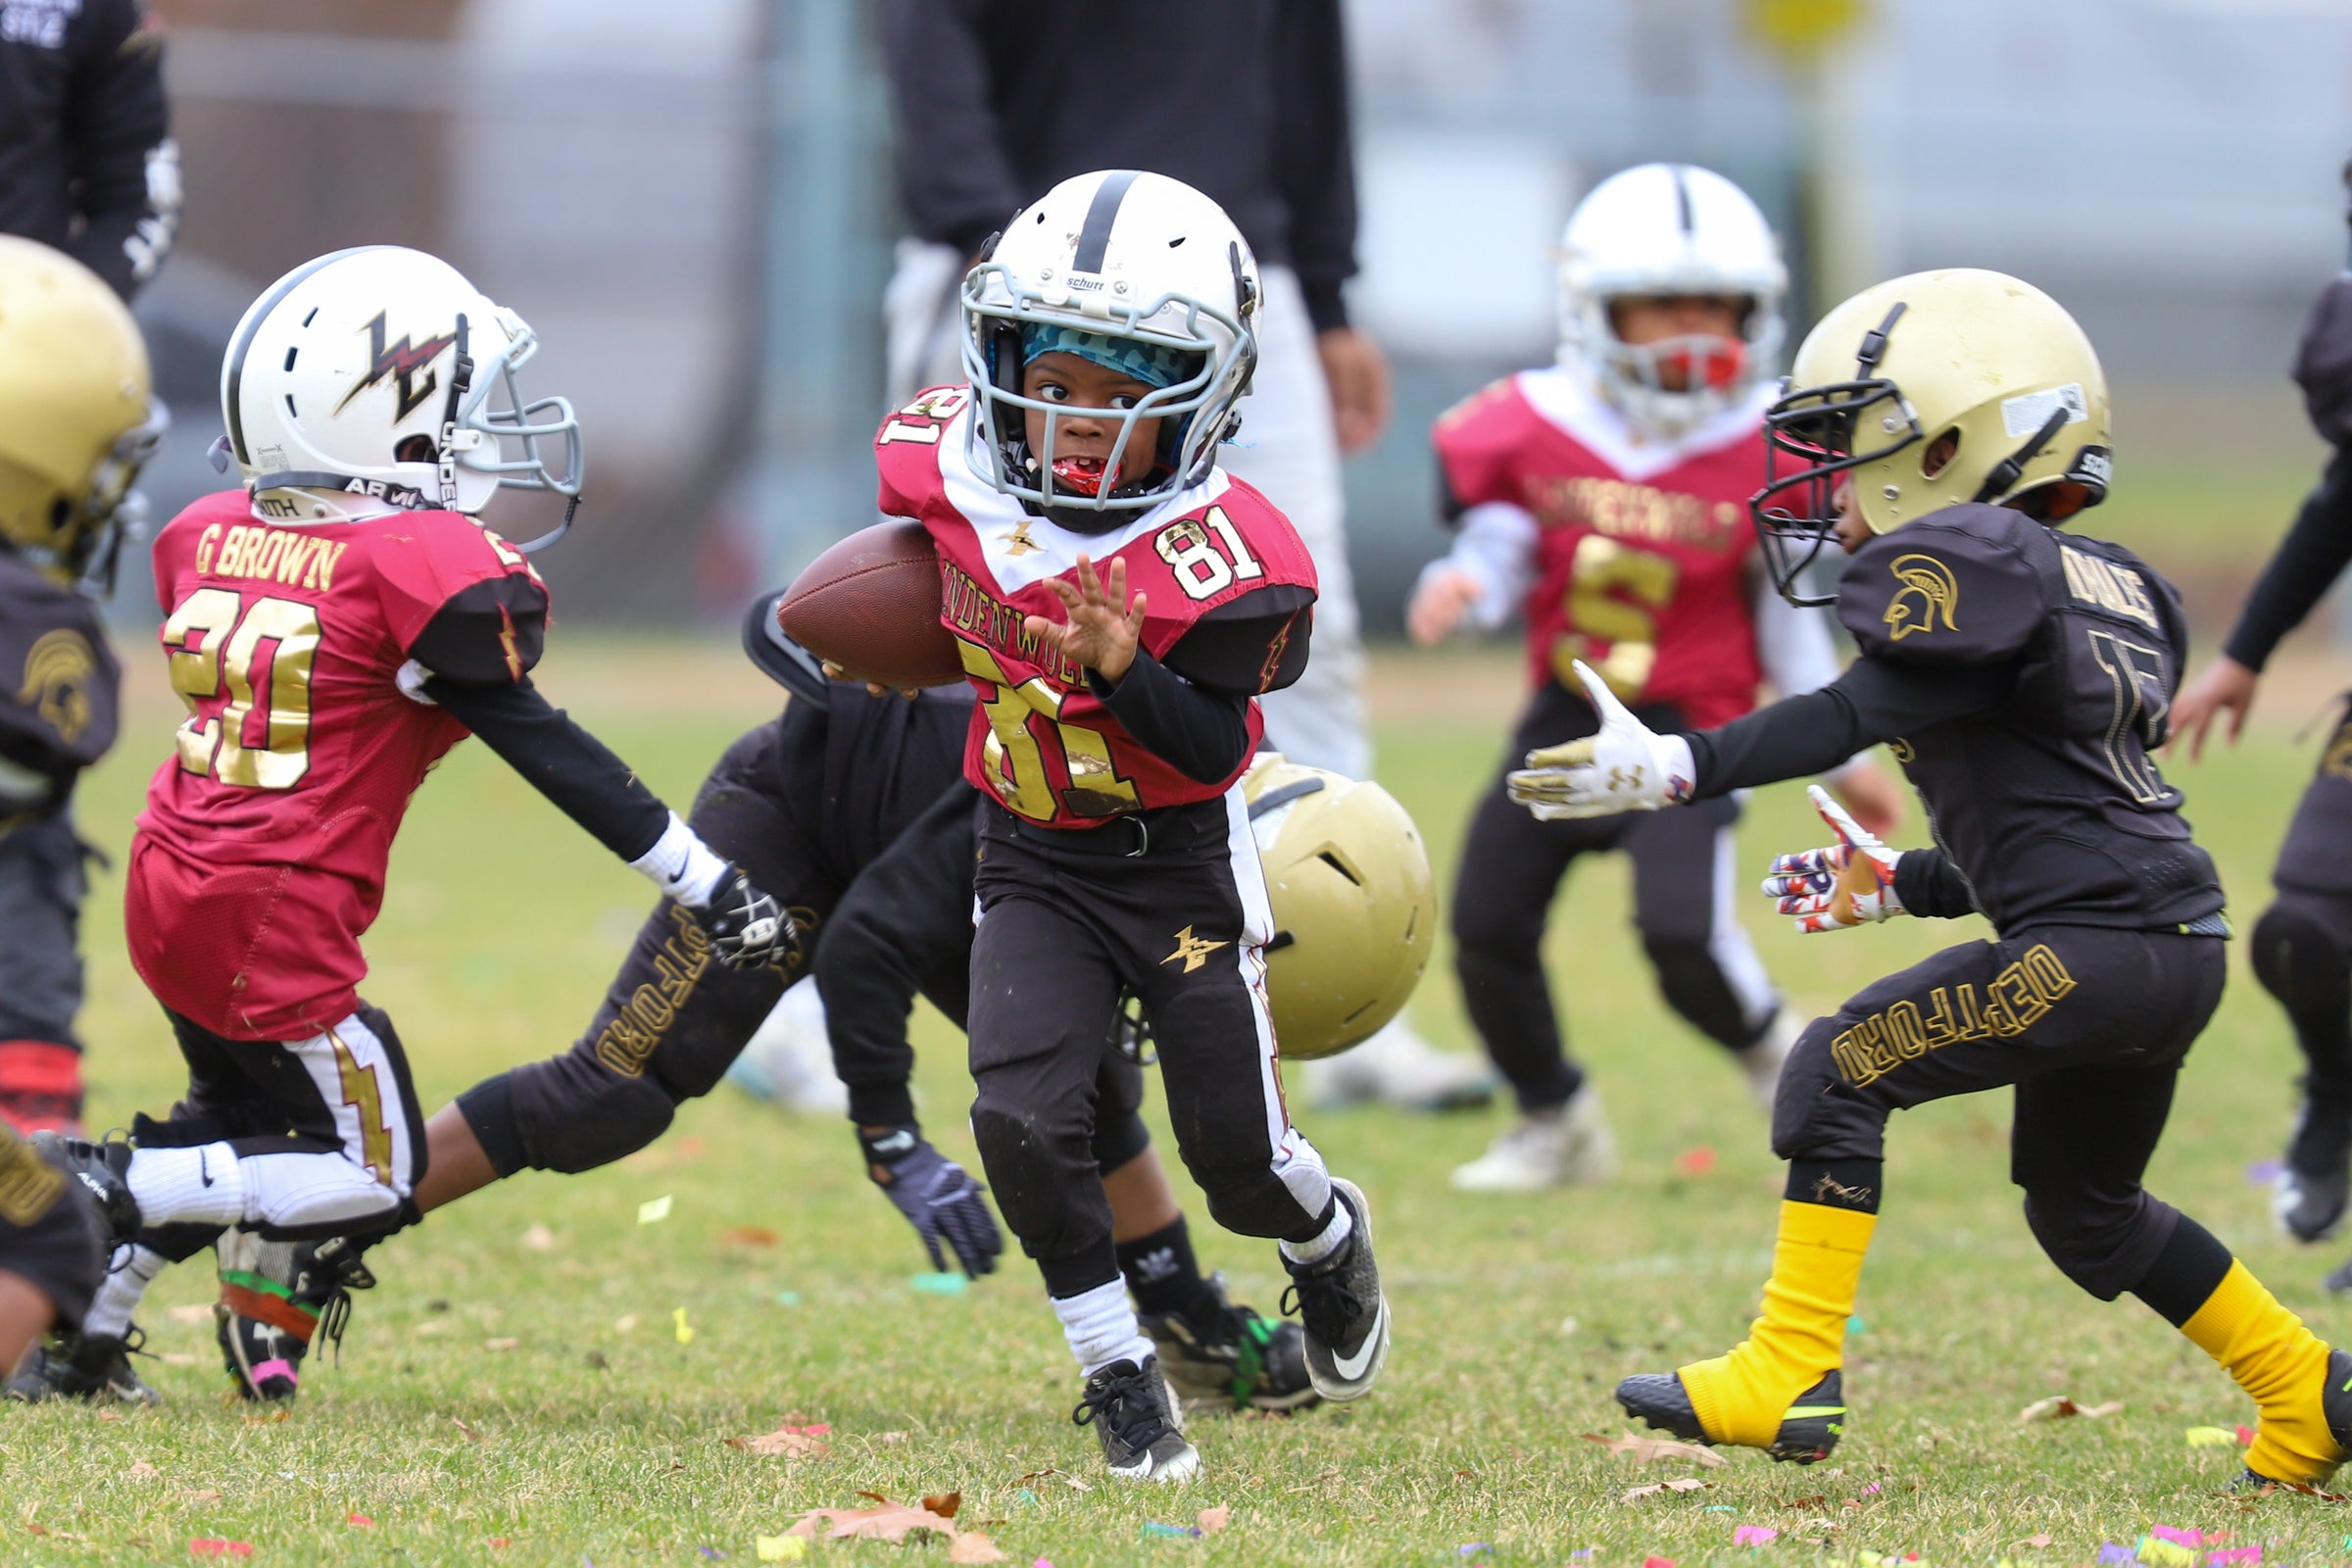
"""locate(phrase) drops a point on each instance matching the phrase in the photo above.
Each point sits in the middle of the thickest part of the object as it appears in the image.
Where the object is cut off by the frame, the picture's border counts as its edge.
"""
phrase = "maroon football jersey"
(1643, 568)
(261, 855)
(1042, 742)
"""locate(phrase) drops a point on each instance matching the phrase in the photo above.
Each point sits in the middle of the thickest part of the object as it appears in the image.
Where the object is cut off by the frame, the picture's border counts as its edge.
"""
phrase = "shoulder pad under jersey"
(1961, 586)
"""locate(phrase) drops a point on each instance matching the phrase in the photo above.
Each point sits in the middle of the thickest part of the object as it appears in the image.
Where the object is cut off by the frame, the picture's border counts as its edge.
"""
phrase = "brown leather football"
(870, 604)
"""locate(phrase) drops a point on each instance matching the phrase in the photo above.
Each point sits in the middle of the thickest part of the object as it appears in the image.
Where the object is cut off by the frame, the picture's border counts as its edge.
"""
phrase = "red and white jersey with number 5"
(261, 857)
(1640, 556)
(1042, 742)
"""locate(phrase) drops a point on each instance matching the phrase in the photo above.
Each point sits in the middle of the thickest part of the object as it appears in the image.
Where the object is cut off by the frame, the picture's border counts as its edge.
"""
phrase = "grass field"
(505, 1404)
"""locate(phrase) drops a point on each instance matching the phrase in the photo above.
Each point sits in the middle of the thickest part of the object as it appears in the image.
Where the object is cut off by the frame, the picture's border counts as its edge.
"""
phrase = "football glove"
(1849, 884)
(938, 1197)
(1625, 767)
(747, 927)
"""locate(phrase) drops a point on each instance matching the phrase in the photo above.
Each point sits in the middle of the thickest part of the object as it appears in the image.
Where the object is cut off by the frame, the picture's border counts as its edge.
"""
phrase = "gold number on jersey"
(938, 406)
(2142, 711)
(209, 645)
(1206, 555)
(1016, 754)
(1601, 579)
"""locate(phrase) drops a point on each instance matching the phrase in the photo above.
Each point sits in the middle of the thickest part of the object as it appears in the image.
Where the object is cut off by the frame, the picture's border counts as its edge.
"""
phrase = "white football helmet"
(371, 370)
(1663, 229)
(1120, 254)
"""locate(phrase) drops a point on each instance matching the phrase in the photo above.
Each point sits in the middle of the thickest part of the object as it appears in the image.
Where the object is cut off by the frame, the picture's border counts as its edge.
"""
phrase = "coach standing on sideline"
(997, 101)
(87, 166)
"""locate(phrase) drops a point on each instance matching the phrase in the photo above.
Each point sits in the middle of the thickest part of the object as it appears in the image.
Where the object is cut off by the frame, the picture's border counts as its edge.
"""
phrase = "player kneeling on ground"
(335, 628)
(1945, 424)
(1106, 340)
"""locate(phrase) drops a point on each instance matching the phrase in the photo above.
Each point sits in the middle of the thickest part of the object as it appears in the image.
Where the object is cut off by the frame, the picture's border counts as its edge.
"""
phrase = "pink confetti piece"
(2184, 1538)
(1755, 1536)
(214, 1546)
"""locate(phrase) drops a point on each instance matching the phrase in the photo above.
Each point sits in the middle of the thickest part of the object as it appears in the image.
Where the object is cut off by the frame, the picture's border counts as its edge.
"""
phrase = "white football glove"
(1851, 883)
(1627, 768)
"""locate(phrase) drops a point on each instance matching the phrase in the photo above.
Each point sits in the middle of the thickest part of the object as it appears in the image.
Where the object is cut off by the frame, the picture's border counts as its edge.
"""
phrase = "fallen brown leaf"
(505, 1343)
(463, 1427)
(748, 1236)
(945, 1503)
(792, 1443)
(888, 1521)
(1656, 1451)
(973, 1546)
(1678, 1484)
(539, 1239)
(202, 1496)
(2037, 1540)
(2059, 1407)
(141, 1470)
(1213, 1520)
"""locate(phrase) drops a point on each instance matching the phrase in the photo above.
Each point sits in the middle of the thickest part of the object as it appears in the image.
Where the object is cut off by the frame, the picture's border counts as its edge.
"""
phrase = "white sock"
(199, 1186)
(128, 1274)
(1332, 1238)
(1100, 1327)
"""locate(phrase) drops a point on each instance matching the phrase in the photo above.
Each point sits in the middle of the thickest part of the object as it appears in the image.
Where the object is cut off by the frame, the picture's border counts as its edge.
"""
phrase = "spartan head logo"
(1928, 590)
(57, 682)
(402, 361)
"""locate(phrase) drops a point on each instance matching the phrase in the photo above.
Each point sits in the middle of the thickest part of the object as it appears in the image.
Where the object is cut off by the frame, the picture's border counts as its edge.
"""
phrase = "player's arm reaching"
(1793, 645)
(472, 659)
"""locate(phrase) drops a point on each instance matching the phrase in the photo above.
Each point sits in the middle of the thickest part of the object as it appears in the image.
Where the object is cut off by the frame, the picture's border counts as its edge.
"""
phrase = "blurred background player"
(2302, 946)
(87, 169)
(1108, 340)
(995, 102)
(335, 627)
(1604, 498)
(50, 1255)
(1941, 428)
(75, 424)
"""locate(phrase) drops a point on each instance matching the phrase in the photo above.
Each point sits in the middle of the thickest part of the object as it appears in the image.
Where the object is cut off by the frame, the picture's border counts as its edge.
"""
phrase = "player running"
(2302, 946)
(1943, 425)
(1604, 498)
(335, 628)
(1107, 341)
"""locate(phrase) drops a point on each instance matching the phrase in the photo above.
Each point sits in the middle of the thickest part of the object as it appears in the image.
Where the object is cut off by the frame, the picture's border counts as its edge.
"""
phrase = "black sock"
(2185, 1274)
(1851, 1184)
(1161, 1272)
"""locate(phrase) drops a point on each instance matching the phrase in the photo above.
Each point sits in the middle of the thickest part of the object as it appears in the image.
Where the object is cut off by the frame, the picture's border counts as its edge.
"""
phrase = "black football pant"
(1070, 918)
(42, 884)
(1684, 891)
(2088, 1025)
(2302, 946)
(48, 1231)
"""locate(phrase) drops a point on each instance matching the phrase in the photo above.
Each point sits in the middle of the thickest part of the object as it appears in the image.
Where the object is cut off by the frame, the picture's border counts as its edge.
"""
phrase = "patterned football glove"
(747, 927)
(1849, 884)
(1627, 768)
(938, 1197)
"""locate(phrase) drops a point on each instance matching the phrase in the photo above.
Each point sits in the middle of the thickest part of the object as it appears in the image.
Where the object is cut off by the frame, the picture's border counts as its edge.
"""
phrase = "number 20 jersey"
(1643, 561)
(262, 854)
(1042, 744)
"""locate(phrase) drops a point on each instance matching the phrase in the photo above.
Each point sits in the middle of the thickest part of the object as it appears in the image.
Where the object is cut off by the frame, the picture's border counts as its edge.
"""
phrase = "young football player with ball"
(1604, 498)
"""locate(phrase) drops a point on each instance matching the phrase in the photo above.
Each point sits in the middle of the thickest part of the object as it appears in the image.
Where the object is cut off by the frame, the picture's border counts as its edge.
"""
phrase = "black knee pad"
(1694, 985)
(1120, 1140)
(1814, 1114)
(2299, 954)
(1041, 1170)
(2104, 1243)
(573, 1113)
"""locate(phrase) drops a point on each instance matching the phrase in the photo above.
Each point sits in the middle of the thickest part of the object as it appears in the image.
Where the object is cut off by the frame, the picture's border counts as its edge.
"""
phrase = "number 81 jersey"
(262, 853)
(1042, 744)
(1641, 565)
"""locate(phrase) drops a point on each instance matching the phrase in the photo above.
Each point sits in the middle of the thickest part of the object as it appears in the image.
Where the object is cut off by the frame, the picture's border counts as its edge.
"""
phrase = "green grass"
(590, 1441)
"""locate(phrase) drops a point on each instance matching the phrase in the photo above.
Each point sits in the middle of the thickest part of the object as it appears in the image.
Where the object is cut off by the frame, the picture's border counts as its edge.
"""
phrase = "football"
(870, 604)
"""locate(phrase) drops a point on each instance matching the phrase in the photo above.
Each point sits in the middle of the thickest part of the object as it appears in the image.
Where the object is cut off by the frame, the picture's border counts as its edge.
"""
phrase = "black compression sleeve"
(1874, 701)
(561, 760)
(1931, 886)
(1254, 645)
(2305, 566)
(1202, 732)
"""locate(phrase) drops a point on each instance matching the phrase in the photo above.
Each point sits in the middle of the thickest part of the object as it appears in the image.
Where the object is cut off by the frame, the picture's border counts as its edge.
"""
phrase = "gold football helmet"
(1926, 392)
(76, 415)
(1355, 909)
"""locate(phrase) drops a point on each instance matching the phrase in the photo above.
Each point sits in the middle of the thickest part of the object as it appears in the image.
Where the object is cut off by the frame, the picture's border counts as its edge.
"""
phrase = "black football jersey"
(2048, 801)
(58, 678)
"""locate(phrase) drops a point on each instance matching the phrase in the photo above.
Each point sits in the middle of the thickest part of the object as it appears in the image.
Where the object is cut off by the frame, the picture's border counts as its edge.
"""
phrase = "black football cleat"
(277, 1299)
(2335, 1406)
(2315, 1181)
(1139, 1421)
(102, 1168)
(95, 1367)
(1220, 1353)
(1339, 1302)
(1809, 1429)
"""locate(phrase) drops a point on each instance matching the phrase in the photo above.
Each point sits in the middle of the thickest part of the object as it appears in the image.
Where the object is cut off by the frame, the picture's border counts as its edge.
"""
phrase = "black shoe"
(1339, 1301)
(277, 1298)
(2335, 1403)
(83, 1366)
(2313, 1187)
(102, 1168)
(1809, 1429)
(1220, 1353)
(1139, 1421)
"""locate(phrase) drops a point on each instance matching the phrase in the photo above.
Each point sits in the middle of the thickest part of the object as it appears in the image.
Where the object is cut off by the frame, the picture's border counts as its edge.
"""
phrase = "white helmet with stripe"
(371, 370)
(1123, 256)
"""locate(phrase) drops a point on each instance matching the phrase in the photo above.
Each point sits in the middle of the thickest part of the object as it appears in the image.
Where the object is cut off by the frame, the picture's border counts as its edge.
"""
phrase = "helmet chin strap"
(461, 379)
(2012, 468)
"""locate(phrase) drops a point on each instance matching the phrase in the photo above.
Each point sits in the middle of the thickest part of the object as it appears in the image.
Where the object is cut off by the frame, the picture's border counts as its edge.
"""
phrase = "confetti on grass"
(654, 1210)
(214, 1546)
(684, 1328)
(780, 1548)
(1755, 1536)
(2211, 1438)
(939, 1284)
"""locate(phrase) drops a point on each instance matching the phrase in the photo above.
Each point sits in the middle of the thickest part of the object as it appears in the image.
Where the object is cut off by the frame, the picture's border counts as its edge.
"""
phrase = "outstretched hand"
(1105, 626)
(2225, 686)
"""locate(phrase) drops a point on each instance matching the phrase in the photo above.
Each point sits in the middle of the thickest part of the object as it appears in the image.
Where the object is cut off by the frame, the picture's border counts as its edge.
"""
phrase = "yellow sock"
(1816, 1264)
(2282, 1364)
